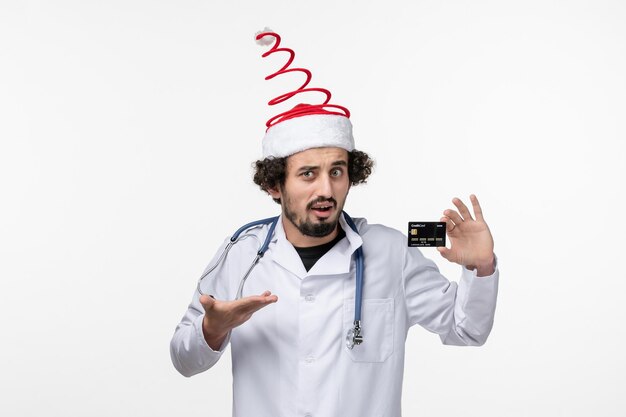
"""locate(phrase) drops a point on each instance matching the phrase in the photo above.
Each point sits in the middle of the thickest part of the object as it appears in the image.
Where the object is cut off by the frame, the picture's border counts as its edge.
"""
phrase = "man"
(289, 350)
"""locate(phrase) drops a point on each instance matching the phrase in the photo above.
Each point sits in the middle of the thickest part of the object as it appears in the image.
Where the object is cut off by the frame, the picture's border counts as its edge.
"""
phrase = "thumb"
(207, 302)
(445, 252)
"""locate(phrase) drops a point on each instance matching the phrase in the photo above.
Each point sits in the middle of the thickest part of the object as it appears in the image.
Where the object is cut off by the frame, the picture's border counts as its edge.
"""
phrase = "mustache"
(322, 200)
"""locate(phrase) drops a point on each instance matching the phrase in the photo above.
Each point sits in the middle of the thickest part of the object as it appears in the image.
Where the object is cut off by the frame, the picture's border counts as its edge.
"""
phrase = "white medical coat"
(290, 358)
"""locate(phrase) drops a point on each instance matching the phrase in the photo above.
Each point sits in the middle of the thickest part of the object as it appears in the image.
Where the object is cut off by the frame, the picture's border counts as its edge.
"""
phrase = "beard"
(307, 227)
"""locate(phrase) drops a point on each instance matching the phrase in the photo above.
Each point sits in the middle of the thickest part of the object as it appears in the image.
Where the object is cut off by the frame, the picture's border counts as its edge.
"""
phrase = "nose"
(324, 186)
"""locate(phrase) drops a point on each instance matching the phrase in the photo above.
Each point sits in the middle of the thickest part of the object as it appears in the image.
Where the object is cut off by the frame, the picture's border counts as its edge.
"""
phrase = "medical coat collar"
(336, 261)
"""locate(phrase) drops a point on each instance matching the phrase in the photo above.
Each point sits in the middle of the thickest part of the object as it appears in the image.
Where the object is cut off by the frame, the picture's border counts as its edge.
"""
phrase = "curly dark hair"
(270, 172)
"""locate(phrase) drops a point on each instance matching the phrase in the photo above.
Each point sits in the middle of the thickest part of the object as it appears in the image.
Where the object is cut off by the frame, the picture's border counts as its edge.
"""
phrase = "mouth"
(323, 210)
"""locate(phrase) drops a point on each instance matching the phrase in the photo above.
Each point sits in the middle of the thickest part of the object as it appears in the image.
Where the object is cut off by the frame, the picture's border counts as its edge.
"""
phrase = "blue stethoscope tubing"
(354, 336)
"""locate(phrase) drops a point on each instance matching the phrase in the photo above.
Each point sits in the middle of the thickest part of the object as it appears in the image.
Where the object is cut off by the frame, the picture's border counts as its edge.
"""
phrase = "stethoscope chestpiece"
(354, 335)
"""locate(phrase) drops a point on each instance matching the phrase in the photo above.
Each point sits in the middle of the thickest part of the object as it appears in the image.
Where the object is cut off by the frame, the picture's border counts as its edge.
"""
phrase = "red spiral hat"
(305, 126)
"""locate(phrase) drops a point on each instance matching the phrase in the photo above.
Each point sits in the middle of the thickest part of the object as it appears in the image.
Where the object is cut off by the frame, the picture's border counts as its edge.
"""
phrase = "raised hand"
(220, 317)
(471, 243)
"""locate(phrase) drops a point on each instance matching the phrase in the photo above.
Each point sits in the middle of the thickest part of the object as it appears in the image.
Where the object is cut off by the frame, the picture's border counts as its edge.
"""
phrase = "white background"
(128, 128)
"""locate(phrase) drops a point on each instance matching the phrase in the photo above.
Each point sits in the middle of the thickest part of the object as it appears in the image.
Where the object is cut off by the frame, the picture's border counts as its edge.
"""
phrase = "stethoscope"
(353, 337)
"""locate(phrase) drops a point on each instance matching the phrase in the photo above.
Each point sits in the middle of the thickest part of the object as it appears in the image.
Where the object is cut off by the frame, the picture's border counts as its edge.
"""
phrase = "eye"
(336, 172)
(307, 174)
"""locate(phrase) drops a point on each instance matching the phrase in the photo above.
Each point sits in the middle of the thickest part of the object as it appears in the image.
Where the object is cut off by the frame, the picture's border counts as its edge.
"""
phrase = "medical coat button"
(309, 298)
(310, 359)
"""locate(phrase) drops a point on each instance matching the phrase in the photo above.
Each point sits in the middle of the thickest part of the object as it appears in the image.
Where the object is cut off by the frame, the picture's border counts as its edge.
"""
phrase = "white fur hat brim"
(306, 132)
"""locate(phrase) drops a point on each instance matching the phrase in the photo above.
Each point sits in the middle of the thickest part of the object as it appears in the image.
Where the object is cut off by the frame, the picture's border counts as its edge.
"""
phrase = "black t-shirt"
(312, 254)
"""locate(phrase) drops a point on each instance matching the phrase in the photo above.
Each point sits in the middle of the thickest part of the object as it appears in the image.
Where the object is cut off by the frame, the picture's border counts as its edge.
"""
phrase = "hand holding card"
(471, 243)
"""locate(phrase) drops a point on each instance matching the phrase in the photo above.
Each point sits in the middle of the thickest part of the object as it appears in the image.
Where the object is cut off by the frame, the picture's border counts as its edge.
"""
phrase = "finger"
(256, 302)
(445, 252)
(449, 224)
(456, 218)
(463, 209)
(253, 308)
(265, 297)
(478, 212)
(271, 298)
(207, 302)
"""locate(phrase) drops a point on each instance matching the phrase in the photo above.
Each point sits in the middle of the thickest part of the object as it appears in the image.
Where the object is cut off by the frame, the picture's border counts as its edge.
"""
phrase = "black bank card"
(427, 234)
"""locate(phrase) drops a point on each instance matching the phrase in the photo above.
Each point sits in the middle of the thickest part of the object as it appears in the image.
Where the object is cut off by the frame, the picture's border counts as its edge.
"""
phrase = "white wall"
(127, 130)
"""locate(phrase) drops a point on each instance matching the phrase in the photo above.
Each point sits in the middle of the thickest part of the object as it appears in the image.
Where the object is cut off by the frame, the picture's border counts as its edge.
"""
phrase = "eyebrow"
(312, 167)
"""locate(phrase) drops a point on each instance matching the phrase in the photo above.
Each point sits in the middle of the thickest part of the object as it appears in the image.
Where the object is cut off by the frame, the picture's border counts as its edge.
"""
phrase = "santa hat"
(305, 126)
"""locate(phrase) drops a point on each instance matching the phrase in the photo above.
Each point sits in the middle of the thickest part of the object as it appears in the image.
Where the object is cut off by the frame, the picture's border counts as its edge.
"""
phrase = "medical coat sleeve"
(189, 351)
(460, 313)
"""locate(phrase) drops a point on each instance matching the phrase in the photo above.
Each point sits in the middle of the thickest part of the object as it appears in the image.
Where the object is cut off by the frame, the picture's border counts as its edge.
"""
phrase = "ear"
(274, 192)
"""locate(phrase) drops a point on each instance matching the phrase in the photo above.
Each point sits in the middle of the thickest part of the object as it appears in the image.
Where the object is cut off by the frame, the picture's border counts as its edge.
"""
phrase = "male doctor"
(288, 331)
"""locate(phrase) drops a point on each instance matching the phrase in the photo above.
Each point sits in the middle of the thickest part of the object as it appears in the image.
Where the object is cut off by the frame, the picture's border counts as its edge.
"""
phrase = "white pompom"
(266, 40)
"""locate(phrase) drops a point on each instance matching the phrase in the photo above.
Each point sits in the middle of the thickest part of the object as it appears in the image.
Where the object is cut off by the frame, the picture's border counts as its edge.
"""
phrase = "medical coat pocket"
(376, 328)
